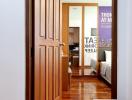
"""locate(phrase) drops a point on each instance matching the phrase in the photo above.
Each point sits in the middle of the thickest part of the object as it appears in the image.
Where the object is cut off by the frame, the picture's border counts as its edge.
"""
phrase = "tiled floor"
(87, 88)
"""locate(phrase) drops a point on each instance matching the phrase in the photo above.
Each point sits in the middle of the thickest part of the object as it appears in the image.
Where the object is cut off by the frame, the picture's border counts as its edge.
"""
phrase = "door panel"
(42, 17)
(50, 73)
(51, 19)
(56, 73)
(47, 50)
(57, 18)
(47, 18)
(42, 74)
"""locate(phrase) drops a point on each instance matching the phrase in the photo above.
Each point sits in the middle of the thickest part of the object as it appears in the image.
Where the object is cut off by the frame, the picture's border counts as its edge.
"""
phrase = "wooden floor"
(82, 71)
(87, 88)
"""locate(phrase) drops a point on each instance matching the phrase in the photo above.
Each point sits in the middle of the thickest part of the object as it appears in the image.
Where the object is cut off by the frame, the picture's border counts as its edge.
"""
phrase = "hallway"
(87, 88)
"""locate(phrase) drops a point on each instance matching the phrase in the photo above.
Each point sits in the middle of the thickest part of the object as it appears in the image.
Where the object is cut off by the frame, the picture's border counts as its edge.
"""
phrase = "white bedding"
(93, 64)
(93, 61)
(105, 71)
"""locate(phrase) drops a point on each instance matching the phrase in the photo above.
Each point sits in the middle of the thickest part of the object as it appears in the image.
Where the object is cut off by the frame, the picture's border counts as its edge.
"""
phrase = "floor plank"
(87, 88)
(81, 71)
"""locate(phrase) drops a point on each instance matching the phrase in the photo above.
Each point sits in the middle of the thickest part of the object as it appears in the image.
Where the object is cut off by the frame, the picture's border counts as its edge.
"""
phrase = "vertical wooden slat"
(42, 73)
(42, 18)
(47, 18)
(57, 22)
(29, 58)
(51, 19)
(50, 72)
(37, 31)
(47, 74)
(65, 27)
(114, 49)
(60, 48)
(56, 53)
(56, 72)
(83, 14)
(37, 71)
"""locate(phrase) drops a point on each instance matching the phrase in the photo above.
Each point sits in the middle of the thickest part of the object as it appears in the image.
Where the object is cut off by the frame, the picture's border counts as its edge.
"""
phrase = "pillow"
(108, 56)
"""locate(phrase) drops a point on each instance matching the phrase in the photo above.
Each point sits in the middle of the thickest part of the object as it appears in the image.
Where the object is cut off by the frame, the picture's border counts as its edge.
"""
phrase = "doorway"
(75, 15)
(104, 42)
(29, 51)
(74, 46)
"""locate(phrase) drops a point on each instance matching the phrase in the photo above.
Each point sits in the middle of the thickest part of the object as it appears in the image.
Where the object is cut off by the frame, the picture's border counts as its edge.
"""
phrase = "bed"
(93, 64)
(105, 71)
(105, 67)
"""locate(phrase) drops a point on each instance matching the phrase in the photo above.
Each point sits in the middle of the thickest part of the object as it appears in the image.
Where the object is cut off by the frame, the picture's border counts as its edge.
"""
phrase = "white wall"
(122, 63)
(90, 18)
(129, 49)
(124, 50)
(12, 50)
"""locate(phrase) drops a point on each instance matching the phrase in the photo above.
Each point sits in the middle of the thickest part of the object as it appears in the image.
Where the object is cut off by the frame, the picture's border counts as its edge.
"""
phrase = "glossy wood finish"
(87, 88)
(65, 28)
(47, 50)
(82, 71)
(114, 49)
(29, 46)
(28, 85)
(65, 76)
(83, 22)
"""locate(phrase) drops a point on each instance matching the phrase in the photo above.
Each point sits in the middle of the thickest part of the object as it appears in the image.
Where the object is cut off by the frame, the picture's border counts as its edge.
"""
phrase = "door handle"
(62, 44)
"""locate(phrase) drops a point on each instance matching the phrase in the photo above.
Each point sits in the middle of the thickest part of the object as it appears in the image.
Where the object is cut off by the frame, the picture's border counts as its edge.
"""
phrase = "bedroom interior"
(87, 35)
